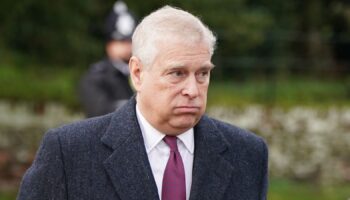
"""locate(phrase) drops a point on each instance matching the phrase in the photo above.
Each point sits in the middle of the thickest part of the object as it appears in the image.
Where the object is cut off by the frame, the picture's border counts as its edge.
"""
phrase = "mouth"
(187, 109)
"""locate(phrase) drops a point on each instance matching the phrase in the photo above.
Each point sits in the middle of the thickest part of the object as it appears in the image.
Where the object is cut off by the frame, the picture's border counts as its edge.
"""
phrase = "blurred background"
(283, 71)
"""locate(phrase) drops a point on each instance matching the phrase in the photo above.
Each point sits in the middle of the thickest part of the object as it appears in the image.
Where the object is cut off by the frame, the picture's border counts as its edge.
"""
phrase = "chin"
(186, 122)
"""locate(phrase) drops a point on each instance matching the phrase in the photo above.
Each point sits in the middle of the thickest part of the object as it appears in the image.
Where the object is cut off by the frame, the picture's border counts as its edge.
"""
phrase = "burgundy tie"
(174, 186)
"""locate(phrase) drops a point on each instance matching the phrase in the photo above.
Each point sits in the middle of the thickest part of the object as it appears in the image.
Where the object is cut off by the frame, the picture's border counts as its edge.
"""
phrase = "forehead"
(181, 54)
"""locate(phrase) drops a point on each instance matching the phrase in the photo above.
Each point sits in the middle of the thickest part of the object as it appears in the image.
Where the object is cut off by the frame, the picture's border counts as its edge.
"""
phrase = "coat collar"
(128, 166)
(211, 171)
(130, 171)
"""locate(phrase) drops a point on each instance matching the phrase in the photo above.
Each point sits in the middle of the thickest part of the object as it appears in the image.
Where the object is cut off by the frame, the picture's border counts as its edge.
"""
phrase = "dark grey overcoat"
(105, 158)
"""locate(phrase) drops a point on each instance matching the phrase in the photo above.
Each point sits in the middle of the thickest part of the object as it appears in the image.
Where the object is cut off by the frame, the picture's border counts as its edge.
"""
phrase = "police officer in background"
(105, 87)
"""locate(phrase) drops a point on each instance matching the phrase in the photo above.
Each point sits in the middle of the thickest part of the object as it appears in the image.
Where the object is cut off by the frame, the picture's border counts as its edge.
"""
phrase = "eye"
(177, 73)
(204, 73)
(203, 76)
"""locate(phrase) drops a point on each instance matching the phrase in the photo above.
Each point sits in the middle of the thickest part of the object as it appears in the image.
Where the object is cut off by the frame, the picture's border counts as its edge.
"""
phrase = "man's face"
(172, 92)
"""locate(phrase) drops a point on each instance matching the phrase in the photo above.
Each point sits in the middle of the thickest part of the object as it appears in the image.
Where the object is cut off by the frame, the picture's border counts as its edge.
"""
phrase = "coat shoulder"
(237, 136)
(248, 152)
(83, 131)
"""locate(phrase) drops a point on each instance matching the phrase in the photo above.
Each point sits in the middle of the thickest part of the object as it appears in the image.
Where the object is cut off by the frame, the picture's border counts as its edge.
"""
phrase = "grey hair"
(169, 24)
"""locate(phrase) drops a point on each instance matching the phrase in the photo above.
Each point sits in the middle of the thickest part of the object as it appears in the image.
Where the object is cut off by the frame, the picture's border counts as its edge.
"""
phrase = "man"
(160, 145)
(105, 87)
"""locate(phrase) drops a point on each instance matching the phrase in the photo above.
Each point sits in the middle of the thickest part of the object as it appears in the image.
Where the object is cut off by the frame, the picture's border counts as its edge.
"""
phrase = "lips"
(187, 109)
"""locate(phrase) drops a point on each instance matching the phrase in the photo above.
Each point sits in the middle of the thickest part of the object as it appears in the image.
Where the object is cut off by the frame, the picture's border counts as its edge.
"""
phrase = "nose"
(191, 87)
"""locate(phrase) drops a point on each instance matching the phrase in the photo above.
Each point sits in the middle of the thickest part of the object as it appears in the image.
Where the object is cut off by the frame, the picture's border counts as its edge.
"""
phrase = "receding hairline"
(169, 23)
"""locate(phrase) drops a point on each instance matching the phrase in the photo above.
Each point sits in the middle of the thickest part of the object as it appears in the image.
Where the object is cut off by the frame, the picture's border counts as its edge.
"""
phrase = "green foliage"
(53, 32)
(280, 92)
(7, 196)
(70, 32)
(39, 85)
(290, 190)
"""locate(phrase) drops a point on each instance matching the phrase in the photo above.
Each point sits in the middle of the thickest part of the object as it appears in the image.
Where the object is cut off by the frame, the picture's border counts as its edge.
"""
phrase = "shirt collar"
(152, 136)
(187, 138)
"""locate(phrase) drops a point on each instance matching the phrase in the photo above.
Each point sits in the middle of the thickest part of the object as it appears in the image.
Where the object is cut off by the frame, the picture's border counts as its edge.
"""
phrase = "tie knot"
(171, 142)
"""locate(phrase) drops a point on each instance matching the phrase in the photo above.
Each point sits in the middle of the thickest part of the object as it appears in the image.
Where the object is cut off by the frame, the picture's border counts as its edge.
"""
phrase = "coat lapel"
(128, 166)
(211, 172)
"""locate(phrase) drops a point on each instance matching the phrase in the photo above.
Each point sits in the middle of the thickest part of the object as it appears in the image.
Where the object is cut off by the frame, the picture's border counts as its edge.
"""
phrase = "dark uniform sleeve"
(93, 95)
(45, 179)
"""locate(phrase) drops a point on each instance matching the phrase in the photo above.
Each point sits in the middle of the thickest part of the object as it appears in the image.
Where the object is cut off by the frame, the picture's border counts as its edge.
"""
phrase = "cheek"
(204, 90)
(169, 90)
(170, 95)
(159, 93)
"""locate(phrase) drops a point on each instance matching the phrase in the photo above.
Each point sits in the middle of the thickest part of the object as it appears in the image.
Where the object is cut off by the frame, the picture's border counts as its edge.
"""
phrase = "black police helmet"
(120, 23)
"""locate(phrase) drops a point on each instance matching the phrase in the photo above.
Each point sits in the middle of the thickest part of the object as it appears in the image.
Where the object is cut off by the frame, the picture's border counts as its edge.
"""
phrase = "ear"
(136, 67)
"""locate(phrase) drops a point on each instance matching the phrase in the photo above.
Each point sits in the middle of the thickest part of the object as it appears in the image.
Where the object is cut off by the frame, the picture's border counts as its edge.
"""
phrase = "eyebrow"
(179, 65)
(210, 65)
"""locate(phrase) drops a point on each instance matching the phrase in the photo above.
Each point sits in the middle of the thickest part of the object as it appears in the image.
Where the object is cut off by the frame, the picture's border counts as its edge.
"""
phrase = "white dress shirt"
(158, 152)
